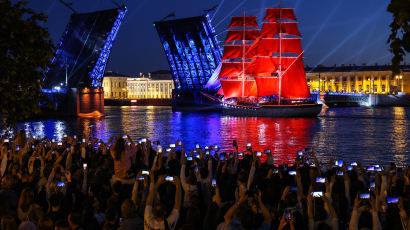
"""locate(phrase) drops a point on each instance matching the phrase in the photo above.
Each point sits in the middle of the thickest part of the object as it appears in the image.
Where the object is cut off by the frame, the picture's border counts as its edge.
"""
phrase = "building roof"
(114, 74)
(353, 68)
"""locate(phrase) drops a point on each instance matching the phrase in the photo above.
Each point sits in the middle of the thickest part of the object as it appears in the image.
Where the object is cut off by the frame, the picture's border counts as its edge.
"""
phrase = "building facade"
(146, 88)
(359, 79)
(115, 86)
(155, 85)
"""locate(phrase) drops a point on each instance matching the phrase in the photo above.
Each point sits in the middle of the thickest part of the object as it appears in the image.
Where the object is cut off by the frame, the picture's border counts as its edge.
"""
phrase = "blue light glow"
(192, 52)
(97, 73)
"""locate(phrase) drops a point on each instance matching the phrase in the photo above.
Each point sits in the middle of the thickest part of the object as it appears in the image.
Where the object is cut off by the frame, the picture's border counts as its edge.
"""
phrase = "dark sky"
(334, 31)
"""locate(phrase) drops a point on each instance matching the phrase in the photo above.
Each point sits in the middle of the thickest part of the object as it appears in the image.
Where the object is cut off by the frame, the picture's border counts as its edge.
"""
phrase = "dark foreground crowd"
(122, 184)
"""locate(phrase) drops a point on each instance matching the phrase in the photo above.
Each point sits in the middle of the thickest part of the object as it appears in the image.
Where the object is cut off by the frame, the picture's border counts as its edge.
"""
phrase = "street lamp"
(402, 85)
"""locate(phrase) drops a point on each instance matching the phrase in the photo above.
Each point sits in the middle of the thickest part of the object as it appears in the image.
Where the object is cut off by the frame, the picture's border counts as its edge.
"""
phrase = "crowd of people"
(77, 183)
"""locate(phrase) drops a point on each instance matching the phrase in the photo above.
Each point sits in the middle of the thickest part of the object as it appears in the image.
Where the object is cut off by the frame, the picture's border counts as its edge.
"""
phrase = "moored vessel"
(262, 71)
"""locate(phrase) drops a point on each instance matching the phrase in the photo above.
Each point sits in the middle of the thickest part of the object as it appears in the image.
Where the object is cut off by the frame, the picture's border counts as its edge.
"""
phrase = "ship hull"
(306, 110)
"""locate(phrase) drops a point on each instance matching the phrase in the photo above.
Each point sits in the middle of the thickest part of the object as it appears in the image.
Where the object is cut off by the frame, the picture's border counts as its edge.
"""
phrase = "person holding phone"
(188, 183)
(154, 216)
(121, 154)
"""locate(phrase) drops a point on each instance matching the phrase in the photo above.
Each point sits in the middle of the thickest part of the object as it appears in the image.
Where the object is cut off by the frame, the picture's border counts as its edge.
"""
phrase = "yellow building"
(358, 79)
(157, 85)
(115, 85)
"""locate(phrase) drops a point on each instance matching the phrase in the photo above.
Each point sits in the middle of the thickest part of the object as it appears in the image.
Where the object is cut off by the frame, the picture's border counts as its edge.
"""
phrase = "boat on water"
(262, 72)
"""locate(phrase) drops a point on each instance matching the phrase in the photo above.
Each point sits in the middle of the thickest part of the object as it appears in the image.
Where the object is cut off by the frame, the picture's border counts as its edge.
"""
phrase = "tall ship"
(262, 71)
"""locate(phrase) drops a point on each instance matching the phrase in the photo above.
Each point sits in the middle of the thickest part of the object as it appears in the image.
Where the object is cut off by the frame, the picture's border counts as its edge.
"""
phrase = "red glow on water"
(283, 136)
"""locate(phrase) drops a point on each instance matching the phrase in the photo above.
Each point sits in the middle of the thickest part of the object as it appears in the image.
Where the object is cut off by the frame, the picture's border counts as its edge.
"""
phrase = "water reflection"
(378, 135)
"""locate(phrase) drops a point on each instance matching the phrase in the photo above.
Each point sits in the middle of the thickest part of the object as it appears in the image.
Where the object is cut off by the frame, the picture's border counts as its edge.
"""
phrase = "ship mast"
(280, 50)
(243, 55)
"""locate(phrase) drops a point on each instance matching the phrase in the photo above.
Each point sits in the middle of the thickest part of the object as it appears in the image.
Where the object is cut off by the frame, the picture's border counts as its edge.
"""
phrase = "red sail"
(269, 64)
(238, 35)
(294, 81)
(273, 14)
(267, 86)
(269, 29)
(231, 69)
(236, 51)
(238, 21)
(267, 46)
(233, 88)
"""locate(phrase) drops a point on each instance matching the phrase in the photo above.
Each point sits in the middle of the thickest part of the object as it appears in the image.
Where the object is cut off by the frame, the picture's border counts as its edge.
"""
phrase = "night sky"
(334, 32)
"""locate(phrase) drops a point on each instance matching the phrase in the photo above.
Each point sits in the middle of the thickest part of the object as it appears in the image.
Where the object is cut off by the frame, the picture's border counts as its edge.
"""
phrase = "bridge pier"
(90, 102)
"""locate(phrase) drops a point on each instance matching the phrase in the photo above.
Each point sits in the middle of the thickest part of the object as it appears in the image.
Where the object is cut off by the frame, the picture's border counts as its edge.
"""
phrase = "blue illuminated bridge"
(193, 54)
(79, 62)
(84, 49)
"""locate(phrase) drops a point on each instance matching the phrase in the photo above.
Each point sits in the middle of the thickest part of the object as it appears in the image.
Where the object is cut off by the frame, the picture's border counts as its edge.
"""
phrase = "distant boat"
(262, 71)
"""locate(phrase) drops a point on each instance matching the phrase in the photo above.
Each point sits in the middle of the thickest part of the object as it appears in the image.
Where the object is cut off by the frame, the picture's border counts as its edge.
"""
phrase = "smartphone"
(372, 185)
(59, 143)
(60, 184)
(288, 214)
(349, 168)
(378, 169)
(258, 154)
(240, 154)
(145, 172)
(179, 143)
(353, 164)
(234, 144)
(275, 171)
(340, 173)
(392, 200)
(33, 146)
(221, 157)
(37, 157)
(168, 149)
(189, 158)
(144, 140)
(364, 196)
(159, 149)
(139, 178)
(17, 148)
(169, 178)
(293, 188)
(339, 163)
(213, 183)
(85, 166)
(370, 168)
(207, 152)
(300, 153)
(267, 151)
(6, 140)
(320, 180)
(172, 145)
(124, 137)
(206, 147)
(308, 149)
(197, 145)
(196, 168)
(216, 147)
(292, 173)
(317, 194)
(248, 146)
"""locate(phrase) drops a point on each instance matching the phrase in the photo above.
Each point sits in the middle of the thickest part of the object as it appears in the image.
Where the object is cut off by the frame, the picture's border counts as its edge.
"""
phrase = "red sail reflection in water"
(284, 136)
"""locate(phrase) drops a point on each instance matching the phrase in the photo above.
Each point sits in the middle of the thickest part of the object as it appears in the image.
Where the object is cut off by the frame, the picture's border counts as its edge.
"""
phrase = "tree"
(25, 53)
(399, 38)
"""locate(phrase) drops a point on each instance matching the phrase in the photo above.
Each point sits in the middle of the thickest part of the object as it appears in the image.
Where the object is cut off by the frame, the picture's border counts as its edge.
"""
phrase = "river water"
(370, 135)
